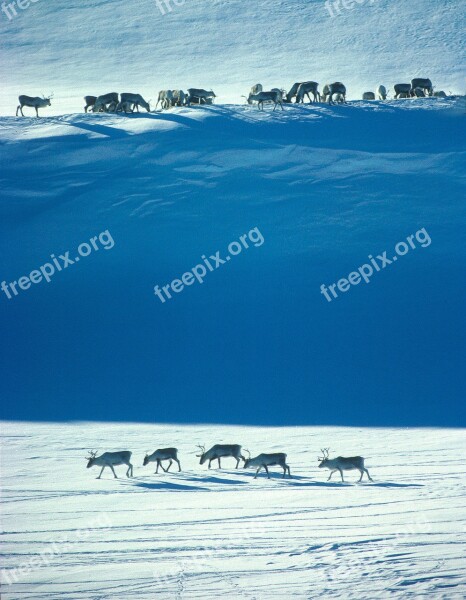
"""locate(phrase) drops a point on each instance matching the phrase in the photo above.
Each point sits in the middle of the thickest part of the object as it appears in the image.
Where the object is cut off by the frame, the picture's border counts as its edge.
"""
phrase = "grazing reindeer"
(382, 92)
(334, 89)
(256, 89)
(199, 95)
(274, 96)
(106, 102)
(402, 90)
(304, 89)
(425, 85)
(368, 96)
(90, 102)
(110, 459)
(267, 460)
(33, 102)
(160, 455)
(341, 464)
(135, 99)
(125, 107)
(292, 93)
(220, 451)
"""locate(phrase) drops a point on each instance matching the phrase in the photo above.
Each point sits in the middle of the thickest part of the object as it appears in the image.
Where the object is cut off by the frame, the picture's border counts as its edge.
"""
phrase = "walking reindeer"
(160, 455)
(110, 459)
(340, 463)
(267, 460)
(33, 102)
(220, 451)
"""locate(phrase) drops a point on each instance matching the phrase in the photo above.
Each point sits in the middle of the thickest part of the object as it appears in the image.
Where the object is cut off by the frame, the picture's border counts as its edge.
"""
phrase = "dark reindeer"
(220, 451)
(160, 455)
(340, 463)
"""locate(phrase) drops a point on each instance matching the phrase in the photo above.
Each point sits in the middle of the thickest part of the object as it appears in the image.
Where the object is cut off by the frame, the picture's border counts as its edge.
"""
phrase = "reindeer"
(199, 95)
(110, 459)
(334, 89)
(292, 93)
(135, 99)
(165, 98)
(256, 89)
(340, 463)
(125, 107)
(90, 102)
(220, 451)
(178, 98)
(304, 89)
(418, 93)
(402, 90)
(275, 96)
(425, 85)
(382, 92)
(33, 102)
(106, 103)
(267, 460)
(368, 96)
(160, 455)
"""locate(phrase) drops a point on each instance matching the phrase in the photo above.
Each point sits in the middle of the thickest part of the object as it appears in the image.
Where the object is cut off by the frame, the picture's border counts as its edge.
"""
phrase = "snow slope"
(325, 186)
(220, 533)
(92, 47)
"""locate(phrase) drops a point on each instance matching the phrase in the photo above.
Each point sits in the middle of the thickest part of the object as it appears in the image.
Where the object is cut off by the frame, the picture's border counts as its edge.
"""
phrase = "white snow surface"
(76, 48)
(222, 533)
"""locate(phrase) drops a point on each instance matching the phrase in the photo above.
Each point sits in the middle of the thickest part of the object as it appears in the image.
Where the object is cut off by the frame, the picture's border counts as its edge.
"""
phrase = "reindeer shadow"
(345, 484)
(169, 486)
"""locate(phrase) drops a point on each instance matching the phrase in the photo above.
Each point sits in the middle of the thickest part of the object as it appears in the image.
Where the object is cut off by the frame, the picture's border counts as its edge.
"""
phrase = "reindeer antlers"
(202, 449)
(246, 450)
(325, 453)
(91, 455)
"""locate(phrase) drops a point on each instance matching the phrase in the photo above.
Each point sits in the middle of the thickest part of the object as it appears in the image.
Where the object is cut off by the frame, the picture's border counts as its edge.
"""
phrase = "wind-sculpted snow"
(256, 342)
(220, 533)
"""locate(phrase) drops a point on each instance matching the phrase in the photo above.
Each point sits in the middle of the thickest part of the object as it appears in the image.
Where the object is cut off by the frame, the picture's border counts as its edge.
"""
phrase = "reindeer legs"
(367, 473)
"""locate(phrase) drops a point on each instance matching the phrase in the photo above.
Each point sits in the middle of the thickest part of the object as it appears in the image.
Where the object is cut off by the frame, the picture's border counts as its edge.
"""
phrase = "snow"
(326, 186)
(93, 47)
(202, 533)
(376, 372)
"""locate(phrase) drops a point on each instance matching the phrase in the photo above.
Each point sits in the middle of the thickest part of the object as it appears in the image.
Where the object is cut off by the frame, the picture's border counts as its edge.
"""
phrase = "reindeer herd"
(332, 93)
(219, 451)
